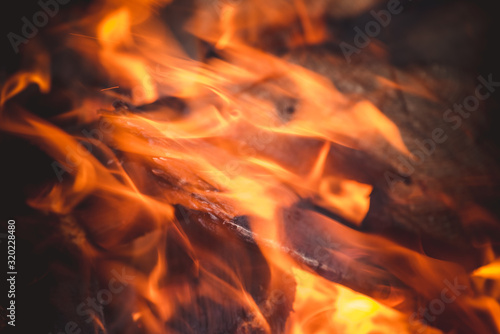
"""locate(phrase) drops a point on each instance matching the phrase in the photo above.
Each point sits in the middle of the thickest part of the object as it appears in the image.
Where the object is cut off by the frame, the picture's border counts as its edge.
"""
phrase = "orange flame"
(257, 136)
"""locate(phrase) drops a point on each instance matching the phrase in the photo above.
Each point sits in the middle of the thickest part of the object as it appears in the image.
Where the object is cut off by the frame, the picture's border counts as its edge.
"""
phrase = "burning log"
(268, 182)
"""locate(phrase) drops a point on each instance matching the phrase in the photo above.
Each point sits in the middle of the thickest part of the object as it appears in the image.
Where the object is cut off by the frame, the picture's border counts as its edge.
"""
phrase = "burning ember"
(279, 166)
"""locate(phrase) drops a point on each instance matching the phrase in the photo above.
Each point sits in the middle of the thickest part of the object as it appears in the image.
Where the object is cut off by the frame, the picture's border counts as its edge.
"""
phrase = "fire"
(243, 146)
(325, 307)
(113, 34)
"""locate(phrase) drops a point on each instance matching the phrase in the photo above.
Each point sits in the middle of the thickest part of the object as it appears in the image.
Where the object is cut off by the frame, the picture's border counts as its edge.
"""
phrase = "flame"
(114, 32)
(324, 307)
(243, 146)
(491, 270)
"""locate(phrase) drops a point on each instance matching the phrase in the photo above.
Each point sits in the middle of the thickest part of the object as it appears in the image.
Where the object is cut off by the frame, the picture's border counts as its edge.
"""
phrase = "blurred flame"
(350, 197)
(114, 34)
(491, 271)
(256, 137)
(324, 307)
